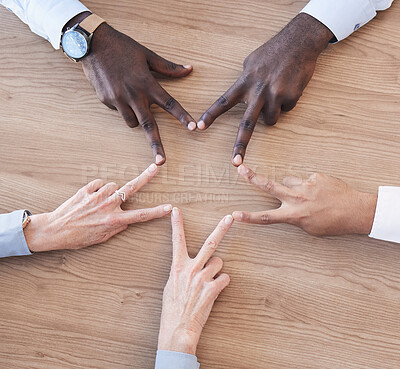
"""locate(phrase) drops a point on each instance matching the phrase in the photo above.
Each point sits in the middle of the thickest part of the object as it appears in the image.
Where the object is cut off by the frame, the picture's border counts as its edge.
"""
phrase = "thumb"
(168, 68)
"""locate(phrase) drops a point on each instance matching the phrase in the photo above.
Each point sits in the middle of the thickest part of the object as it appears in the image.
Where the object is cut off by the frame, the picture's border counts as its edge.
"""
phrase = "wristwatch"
(26, 219)
(76, 41)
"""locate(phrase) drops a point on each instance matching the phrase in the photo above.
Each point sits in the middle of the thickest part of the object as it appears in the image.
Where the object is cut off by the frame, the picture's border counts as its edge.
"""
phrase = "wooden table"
(295, 301)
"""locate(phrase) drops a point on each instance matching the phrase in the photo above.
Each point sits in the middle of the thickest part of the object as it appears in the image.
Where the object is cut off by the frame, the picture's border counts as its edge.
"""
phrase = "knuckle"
(83, 191)
(244, 79)
(247, 125)
(99, 182)
(265, 219)
(171, 66)
(271, 120)
(240, 146)
(132, 187)
(251, 176)
(248, 60)
(219, 262)
(179, 237)
(170, 104)
(291, 103)
(155, 145)
(268, 186)
(143, 215)
(299, 198)
(260, 88)
(148, 125)
(314, 178)
(222, 100)
(211, 291)
(112, 221)
(129, 120)
(177, 268)
(113, 185)
(211, 244)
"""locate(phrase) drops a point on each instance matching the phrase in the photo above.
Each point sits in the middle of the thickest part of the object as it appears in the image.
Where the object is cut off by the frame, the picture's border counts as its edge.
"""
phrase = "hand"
(119, 69)
(191, 289)
(91, 216)
(321, 205)
(273, 79)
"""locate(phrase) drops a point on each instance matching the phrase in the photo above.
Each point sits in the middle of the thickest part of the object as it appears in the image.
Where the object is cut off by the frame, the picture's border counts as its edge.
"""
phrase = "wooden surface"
(295, 301)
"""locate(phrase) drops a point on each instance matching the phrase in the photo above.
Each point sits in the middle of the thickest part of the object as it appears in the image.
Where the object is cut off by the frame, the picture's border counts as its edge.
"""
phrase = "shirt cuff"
(342, 17)
(51, 17)
(387, 215)
(12, 238)
(175, 360)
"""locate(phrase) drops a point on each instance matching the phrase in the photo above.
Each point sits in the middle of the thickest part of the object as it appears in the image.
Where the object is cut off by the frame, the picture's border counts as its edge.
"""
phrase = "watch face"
(74, 44)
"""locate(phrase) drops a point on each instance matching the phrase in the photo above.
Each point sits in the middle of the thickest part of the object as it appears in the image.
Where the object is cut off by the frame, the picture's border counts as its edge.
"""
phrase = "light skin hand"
(321, 205)
(192, 288)
(121, 72)
(91, 216)
(273, 79)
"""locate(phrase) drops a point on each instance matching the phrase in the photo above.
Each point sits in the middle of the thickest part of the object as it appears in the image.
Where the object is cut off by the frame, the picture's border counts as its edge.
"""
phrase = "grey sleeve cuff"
(12, 238)
(175, 360)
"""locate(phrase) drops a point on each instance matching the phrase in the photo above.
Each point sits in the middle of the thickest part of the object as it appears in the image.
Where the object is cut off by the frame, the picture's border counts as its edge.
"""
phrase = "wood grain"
(295, 301)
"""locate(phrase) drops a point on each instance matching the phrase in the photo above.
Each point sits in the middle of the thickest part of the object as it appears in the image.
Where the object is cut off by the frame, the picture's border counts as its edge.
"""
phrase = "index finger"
(213, 241)
(275, 189)
(173, 107)
(179, 248)
(227, 101)
(136, 184)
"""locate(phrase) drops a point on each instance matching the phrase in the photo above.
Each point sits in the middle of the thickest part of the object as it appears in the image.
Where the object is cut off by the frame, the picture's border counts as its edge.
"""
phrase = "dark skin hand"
(120, 70)
(273, 79)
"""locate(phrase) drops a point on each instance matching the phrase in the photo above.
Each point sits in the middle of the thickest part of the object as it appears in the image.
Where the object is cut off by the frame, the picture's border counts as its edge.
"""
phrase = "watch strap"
(91, 23)
(26, 219)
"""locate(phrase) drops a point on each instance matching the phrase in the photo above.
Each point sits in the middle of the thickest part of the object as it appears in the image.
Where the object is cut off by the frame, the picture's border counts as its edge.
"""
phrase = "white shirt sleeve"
(387, 215)
(45, 17)
(343, 17)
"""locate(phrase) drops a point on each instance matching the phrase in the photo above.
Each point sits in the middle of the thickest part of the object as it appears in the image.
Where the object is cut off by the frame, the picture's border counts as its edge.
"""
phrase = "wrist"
(178, 342)
(75, 20)
(368, 206)
(364, 214)
(309, 33)
(99, 42)
(38, 233)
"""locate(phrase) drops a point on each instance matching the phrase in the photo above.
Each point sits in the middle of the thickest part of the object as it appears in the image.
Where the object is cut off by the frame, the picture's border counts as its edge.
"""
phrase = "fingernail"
(167, 208)
(201, 124)
(238, 160)
(187, 66)
(152, 168)
(175, 212)
(228, 219)
(243, 169)
(237, 215)
(159, 159)
(192, 126)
